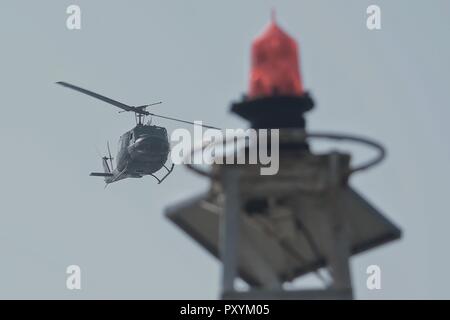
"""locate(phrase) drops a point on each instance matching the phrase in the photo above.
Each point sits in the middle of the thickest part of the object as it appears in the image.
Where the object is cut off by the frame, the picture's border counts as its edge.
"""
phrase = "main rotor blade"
(97, 96)
(184, 121)
(148, 105)
(123, 106)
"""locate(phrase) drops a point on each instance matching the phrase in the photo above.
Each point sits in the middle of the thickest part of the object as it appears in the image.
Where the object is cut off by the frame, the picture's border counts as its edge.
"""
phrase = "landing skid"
(169, 171)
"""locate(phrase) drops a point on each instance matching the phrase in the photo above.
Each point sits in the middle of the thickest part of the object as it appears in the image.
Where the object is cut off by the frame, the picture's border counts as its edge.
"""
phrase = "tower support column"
(230, 228)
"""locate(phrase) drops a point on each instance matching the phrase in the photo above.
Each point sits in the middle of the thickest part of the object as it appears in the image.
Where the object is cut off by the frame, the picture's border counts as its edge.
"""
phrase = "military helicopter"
(143, 150)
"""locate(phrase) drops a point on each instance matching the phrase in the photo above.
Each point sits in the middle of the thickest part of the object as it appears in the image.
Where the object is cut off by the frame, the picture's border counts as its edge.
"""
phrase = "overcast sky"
(391, 84)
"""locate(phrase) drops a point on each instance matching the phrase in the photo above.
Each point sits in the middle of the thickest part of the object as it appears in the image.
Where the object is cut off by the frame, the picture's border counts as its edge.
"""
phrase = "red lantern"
(275, 67)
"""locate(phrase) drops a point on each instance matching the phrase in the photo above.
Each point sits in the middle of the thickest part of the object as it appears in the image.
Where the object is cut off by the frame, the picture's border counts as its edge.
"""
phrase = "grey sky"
(392, 85)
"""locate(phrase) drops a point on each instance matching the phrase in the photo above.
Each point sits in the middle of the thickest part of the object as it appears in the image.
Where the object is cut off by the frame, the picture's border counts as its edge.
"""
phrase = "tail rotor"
(110, 158)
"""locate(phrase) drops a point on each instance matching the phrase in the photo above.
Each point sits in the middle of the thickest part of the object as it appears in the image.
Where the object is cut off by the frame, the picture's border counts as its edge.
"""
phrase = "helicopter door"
(122, 153)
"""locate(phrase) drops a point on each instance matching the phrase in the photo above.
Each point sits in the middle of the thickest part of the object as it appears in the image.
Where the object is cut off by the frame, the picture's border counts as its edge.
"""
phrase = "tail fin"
(107, 174)
(107, 167)
(101, 174)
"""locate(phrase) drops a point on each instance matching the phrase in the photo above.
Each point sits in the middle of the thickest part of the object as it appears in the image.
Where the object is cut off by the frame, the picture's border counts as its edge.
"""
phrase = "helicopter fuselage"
(142, 151)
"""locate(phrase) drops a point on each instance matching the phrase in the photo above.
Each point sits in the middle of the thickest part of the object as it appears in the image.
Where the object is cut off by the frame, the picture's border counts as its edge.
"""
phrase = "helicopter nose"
(142, 144)
(149, 145)
(148, 149)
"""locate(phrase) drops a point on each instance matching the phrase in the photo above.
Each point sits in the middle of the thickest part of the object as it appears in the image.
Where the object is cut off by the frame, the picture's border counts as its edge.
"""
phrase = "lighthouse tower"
(269, 230)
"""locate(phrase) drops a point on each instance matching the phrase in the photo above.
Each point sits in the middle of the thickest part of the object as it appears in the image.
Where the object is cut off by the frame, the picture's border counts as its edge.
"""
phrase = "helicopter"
(143, 150)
